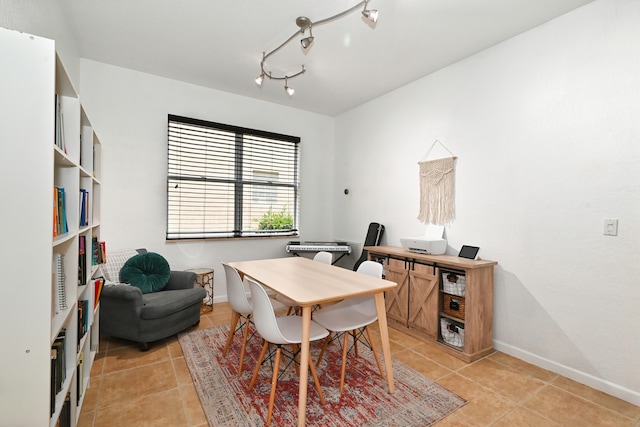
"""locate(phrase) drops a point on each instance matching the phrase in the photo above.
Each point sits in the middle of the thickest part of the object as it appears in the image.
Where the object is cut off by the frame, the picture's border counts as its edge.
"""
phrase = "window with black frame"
(229, 182)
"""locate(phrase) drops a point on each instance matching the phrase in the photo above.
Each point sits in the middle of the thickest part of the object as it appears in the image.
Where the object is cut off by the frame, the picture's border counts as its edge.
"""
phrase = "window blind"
(228, 181)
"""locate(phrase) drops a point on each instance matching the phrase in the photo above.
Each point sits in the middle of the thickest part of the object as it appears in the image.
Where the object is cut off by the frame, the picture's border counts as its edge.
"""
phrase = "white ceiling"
(219, 43)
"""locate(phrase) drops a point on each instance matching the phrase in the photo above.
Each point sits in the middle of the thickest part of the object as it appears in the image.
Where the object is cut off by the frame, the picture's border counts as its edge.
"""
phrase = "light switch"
(610, 227)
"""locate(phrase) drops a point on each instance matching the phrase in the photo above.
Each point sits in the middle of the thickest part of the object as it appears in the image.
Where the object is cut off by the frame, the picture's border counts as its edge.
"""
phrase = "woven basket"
(452, 332)
(453, 283)
(454, 306)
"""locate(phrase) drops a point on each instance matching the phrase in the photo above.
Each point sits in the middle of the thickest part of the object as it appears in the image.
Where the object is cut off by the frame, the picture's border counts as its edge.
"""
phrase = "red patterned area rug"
(227, 401)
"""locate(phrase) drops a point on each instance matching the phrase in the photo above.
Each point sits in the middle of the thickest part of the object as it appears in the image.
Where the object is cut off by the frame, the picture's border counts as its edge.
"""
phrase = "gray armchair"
(125, 312)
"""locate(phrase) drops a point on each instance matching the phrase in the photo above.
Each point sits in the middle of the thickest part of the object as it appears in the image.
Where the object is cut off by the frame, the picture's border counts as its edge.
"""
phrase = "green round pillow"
(148, 271)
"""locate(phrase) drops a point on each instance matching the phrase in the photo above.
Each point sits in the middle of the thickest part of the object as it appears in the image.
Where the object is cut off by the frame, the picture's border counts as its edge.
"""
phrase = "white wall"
(129, 109)
(546, 127)
(45, 19)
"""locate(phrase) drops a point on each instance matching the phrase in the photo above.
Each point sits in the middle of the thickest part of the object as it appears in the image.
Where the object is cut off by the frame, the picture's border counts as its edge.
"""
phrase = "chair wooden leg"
(265, 347)
(274, 384)
(344, 361)
(325, 344)
(375, 352)
(244, 345)
(355, 342)
(295, 348)
(315, 379)
(232, 329)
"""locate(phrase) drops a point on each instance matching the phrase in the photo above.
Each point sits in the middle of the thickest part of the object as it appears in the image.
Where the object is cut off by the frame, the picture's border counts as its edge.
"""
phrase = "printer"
(432, 243)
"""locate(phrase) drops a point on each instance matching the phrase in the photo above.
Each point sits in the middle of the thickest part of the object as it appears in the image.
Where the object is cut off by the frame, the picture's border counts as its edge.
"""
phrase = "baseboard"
(610, 388)
(217, 299)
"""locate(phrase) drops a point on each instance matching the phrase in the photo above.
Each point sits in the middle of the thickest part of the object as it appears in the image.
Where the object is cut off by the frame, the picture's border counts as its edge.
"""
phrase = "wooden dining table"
(309, 283)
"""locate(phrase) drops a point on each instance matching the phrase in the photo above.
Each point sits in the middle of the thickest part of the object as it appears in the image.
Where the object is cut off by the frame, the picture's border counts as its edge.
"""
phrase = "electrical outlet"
(610, 227)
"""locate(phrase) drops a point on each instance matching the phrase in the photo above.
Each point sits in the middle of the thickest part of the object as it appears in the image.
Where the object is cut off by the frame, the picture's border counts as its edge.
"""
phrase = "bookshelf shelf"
(54, 154)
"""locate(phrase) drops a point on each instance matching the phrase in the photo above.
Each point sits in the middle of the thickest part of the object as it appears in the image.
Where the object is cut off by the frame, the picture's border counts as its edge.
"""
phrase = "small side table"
(204, 278)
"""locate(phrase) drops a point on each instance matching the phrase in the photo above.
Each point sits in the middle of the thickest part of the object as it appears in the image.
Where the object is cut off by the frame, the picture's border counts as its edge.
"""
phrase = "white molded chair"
(351, 317)
(279, 331)
(322, 256)
(242, 310)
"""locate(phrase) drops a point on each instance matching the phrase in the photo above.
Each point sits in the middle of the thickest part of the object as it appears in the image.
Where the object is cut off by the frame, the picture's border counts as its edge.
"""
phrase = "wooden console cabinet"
(421, 306)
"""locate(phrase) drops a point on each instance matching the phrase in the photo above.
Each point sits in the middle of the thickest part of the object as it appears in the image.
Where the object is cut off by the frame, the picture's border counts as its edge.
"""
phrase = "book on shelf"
(60, 282)
(60, 142)
(94, 250)
(83, 320)
(98, 284)
(98, 251)
(64, 420)
(80, 379)
(63, 211)
(52, 392)
(84, 207)
(82, 261)
(55, 211)
(103, 252)
(58, 366)
(60, 214)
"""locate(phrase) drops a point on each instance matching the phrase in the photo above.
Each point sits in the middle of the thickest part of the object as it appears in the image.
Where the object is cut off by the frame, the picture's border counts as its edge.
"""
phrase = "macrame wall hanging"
(437, 188)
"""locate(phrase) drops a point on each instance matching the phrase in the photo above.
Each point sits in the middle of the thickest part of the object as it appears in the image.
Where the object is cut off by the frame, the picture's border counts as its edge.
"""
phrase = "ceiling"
(219, 43)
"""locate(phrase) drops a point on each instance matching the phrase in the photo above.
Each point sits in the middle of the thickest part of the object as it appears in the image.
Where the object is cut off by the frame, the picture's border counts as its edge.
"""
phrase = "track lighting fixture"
(305, 23)
(371, 15)
(290, 91)
(306, 42)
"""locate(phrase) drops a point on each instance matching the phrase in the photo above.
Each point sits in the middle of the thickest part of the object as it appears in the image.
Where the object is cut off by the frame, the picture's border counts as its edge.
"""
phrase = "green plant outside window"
(275, 220)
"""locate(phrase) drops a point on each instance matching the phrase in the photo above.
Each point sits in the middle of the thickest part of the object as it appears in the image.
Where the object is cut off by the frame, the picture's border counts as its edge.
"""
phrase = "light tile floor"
(154, 388)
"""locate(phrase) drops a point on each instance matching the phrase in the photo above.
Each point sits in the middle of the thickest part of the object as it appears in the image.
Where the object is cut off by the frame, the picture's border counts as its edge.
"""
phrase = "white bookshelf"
(32, 165)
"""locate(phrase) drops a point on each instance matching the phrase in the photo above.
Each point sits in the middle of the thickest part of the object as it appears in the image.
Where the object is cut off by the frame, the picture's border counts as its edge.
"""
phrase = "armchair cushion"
(147, 271)
(158, 305)
(115, 261)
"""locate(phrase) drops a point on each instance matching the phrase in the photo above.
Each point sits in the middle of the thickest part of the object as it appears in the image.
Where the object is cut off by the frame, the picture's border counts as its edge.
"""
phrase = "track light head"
(370, 14)
(260, 79)
(290, 91)
(306, 42)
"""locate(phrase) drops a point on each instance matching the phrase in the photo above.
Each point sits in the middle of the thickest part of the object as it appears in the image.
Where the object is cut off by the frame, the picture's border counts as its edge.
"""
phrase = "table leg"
(384, 337)
(304, 366)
